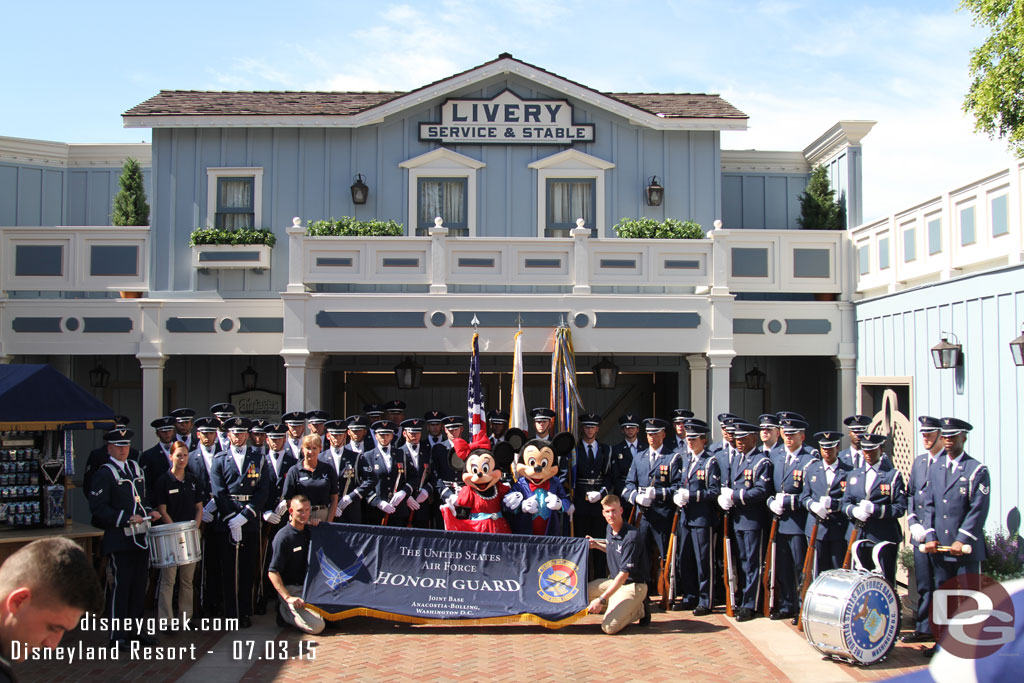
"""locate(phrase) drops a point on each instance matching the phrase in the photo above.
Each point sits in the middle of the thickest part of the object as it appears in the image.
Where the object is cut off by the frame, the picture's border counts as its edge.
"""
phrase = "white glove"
(422, 495)
(642, 500)
(397, 499)
(281, 507)
(861, 514)
(868, 506)
(412, 504)
(207, 516)
(826, 502)
(237, 521)
(209, 508)
(385, 507)
(918, 532)
(572, 509)
(819, 510)
(553, 503)
(677, 498)
(450, 504)
(726, 491)
(725, 501)
(512, 500)
(271, 516)
(593, 496)
(236, 533)
(777, 505)
(531, 505)
(342, 504)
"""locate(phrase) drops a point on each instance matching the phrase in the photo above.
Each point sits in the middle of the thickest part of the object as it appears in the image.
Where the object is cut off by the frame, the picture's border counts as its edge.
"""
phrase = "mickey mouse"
(538, 496)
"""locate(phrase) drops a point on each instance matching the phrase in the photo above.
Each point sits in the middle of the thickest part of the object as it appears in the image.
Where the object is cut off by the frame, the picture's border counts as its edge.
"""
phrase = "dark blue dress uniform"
(346, 466)
(592, 473)
(750, 478)
(622, 459)
(118, 492)
(445, 478)
(889, 497)
(956, 507)
(661, 471)
(239, 491)
(830, 546)
(388, 479)
(917, 492)
(418, 462)
(700, 475)
(275, 467)
(210, 595)
(790, 541)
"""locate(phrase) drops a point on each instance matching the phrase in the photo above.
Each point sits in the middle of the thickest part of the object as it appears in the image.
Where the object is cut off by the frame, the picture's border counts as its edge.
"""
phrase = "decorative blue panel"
(883, 253)
(191, 325)
(647, 320)
(260, 325)
(681, 264)
(749, 262)
(1000, 220)
(934, 236)
(748, 325)
(36, 260)
(543, 263)
(967, 226)
(107, 325)
(509, 318)
(863, 260)
(113, 260)
(476, 262)
(233, 255)
(909, 244)
(348, 319)
(811, 326)
(618, 263)
(401, 262)
(36, 325)
(812, 263)
(326, 261)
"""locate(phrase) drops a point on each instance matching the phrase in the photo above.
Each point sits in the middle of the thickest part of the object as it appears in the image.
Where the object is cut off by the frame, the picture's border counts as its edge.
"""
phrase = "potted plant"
(243, 248)
(1005, 556)
(130, 205)
(819, 210)
(346, 226)
(649, 228)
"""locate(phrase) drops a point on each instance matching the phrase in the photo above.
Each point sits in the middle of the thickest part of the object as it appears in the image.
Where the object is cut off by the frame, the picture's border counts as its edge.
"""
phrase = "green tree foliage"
(201, 236)
(649, 228)
(996, 95)
(819, 209)
(346, 226)
(130, 206)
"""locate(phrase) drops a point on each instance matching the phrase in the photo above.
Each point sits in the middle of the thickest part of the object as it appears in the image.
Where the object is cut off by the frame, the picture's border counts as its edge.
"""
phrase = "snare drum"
(851, 615)
(174, 545)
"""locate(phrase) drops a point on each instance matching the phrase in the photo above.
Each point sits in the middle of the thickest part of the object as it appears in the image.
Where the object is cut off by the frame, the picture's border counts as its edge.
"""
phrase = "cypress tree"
(818, 208)
(130, 206)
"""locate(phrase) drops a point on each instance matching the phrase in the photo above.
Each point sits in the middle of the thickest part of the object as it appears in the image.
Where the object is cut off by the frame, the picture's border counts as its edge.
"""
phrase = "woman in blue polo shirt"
(314, 479)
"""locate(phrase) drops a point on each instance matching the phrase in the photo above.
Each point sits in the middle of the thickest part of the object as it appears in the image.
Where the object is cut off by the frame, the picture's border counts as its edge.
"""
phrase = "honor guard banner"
(427, 576)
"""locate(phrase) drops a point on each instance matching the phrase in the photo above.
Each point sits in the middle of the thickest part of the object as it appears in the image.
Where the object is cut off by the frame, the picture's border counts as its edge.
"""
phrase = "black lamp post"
(655, 192)
(249, 377)
(945, 355)
(755, 378)
(408, 373)
(99, 376)
(1017, 348)
(605, 373)
(359, 190)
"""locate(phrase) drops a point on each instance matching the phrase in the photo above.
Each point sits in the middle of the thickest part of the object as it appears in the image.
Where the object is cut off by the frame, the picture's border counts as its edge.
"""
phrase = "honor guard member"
(241, 491)
(542, 421)
(223, 412)
(916, 493)
(287, 570)
(743, 496)
(447, 478)
(295, 421)
(345, 463)
(316, 419)
(200, 463)
(676, 441)
(591, 483)
(434, 420)
(278, 461)
(653, 479)
(699, 486)
(790, 541)
(623, 595)
(497, 422)
(183, 424)
(394, 410)
(314, 478)
(854, 455)
(417, 456)
(874, 500)
(117, 501)
(100, 456)
(157, 460)
(725, 450)
(956, 505)
(389, 483)
(258, 436)
(623, 454)
(374, 412)
(771, 444)
(359, 439)
(824, 480)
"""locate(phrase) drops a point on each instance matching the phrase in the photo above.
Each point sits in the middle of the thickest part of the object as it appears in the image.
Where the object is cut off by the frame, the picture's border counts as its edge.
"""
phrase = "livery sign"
(427, 576)
(507, 119)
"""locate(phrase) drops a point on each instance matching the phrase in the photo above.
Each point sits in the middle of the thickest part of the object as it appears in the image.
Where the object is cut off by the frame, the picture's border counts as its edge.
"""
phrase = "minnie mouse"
(479, 504)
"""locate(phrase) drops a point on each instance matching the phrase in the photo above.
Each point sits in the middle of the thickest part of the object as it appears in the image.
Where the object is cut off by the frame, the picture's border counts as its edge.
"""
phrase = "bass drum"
(174, 545)
(851, 615)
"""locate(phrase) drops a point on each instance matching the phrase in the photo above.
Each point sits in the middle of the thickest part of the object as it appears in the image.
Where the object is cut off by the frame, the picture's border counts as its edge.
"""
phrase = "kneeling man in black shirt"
(625, 592)
(288, 569)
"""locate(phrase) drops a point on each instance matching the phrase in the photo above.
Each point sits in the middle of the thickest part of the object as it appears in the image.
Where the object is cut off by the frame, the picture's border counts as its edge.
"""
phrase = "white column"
(294, 380)
(296, 234)
(698, 385)
(438, 257)
(312, 394)
(294, 351)
(720, 363)
(846, 369)
(581, 258)
(152, 386)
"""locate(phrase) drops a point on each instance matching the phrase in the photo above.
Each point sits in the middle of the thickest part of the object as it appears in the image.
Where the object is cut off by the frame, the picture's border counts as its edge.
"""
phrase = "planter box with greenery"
(347, 226)
(651, 229)
(247, 248)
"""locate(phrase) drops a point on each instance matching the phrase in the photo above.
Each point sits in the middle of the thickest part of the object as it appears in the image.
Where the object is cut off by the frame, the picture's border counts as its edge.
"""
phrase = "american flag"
(475, 395)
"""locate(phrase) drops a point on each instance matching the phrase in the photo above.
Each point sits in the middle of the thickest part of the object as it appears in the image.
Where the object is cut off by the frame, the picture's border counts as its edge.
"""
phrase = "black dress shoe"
(701, 611)
(744, 614)
(778, 614)
(916, 637)
(928, 653)
(244, 622)
(645, 620)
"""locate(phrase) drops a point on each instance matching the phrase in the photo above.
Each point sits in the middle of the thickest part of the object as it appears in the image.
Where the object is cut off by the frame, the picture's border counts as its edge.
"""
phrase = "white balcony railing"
(74, 258)
(964, 230)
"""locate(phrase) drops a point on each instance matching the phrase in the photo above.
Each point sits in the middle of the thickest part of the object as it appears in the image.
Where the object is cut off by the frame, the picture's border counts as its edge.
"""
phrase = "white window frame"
(571, 163)
(442, 163)
(214, 174)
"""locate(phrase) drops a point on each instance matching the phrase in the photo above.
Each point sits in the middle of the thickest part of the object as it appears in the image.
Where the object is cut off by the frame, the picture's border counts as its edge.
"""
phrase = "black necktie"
(590, 452)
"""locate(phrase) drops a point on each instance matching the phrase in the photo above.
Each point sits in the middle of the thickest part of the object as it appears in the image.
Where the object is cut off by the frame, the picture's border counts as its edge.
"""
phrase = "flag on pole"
(475, 397)
(565, 395)
(517, 406)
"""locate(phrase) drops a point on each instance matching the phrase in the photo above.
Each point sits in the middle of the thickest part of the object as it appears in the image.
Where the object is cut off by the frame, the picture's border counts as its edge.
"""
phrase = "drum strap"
(136, 497)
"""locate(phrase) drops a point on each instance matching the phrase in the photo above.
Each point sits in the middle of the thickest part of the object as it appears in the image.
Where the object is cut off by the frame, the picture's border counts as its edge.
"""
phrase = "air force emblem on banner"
(335, 577)
(558, 581)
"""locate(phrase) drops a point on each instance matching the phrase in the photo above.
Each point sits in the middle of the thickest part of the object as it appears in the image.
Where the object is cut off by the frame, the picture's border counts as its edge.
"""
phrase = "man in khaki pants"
(624, 594)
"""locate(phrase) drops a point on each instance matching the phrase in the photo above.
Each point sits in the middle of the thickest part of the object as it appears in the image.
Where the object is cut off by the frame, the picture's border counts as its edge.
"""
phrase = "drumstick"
(965, 548)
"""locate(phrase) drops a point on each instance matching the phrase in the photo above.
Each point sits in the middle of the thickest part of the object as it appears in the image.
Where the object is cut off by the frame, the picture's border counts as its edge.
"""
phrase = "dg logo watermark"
(972, 616)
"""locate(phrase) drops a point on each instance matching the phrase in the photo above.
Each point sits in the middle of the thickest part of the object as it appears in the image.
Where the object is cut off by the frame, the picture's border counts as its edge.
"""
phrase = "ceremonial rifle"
(667, 566)
(730, 572)
(768, 573)
(805, 582)
(854, 532)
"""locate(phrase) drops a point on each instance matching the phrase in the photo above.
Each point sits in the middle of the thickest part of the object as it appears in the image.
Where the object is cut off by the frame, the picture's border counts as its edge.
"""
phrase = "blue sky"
(795, 68)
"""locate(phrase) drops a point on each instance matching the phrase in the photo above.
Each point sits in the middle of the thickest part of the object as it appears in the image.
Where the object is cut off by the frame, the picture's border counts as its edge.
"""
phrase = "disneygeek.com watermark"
(972, 616)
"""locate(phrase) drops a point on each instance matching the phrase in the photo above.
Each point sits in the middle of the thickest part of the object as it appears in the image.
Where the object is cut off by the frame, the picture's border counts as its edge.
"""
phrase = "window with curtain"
(569, 199)
(444, 197)
(235, 203)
